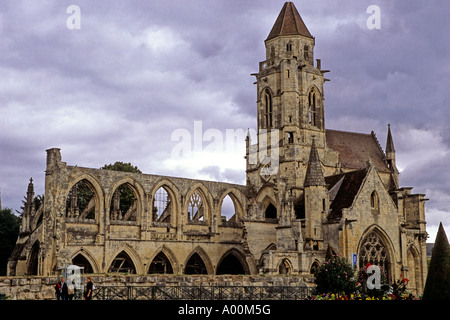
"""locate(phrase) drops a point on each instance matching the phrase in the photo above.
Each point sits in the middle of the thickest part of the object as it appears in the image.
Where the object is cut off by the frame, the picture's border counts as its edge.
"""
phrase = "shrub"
(335, 276)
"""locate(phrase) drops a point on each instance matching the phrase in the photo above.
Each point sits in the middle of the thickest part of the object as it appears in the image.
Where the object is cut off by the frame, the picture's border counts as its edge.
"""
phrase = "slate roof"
(355, 149)
(289, 23)
(343, 189)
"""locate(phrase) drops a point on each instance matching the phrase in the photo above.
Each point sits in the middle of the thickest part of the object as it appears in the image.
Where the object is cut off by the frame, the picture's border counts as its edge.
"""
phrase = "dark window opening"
(290, 137)
(230, 265)
(81, 261)
(161, 265)
(122, 264)
(195, 265)
(271, 212)
(268, 109)
(123, 204)
(80, 202)
(312, 110)
(33, 262)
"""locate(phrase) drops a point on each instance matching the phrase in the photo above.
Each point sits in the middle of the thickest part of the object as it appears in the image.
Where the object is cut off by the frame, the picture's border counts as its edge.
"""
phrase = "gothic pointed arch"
(374, 202)
(125, 261)
(266, 196)
(165, 203)
(231, 207)
(126, 201)
(198, 262)
(375, 248)
(267, 103)
(413, 269)
(160, 264)
(198, 203)
(84, 199)
(314, 107)
(33, 259)
(83, 258)
(232, 262)
(314, 267)
(285, 266)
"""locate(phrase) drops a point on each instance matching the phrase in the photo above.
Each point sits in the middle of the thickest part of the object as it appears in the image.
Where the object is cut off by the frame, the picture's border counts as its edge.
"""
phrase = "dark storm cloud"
(136, 71)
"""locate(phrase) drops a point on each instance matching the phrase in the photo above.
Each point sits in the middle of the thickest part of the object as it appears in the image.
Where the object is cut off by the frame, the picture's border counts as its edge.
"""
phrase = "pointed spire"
(314, 174)
(389, 141)
(289, 23)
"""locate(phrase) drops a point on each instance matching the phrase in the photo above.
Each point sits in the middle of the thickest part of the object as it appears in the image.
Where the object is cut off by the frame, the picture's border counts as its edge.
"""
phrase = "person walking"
(89, 289)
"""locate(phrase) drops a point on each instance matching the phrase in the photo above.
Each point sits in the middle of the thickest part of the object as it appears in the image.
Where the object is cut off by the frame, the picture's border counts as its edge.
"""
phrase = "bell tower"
(290, 100)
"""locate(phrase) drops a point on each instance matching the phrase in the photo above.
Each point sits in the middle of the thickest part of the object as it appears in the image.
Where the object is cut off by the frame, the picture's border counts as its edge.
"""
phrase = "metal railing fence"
(201, 293)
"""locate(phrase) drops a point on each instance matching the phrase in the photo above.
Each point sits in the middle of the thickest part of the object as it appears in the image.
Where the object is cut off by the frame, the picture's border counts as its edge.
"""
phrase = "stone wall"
(42, 288)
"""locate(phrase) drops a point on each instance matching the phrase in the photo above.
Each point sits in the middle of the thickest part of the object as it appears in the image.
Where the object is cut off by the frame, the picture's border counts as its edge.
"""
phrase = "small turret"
(390, 157)
(314, 174)
(316, 201)
(29, 209)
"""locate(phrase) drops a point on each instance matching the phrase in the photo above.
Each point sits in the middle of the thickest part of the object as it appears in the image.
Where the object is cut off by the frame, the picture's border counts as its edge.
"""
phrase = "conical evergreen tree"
(437, 286)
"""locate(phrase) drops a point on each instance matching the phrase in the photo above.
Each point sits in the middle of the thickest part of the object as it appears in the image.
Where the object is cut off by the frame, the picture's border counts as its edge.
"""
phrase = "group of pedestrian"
(66, 291)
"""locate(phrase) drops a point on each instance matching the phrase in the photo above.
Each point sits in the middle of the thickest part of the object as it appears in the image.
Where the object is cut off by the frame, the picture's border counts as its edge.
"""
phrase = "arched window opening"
(228, 210)
(374, 202)
(122, 264)
(285, 267)
(195, 265)
(271, 212)
(34, 260)
(80, 203)
(81, 261)
(268, 109)
(230, 265)
(196, 207)
(289, 47)
(314, 268)
(124, 204)
(306, 52)
(312, 110)
(374, 251)
(160, 265)
(413, 273)
(162, 206)
(290, 137)
(272, 52)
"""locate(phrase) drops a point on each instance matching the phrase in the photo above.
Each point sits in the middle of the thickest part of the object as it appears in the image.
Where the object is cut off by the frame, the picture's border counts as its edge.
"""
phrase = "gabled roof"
(347, 186)
(289, 23)
(355, 149)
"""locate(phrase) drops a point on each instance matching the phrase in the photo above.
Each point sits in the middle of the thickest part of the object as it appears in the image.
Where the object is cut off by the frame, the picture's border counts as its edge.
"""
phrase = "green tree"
(9, 231)
(437, 286)
(121, 166)
(127, 196)
(335, 275)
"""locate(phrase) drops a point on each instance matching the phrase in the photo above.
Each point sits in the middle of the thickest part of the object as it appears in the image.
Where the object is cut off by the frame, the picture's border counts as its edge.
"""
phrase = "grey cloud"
(104, 94)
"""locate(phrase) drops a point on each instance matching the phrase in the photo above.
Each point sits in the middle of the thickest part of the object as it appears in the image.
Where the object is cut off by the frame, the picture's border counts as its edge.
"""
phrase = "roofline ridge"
(346, 131)
(374, 136)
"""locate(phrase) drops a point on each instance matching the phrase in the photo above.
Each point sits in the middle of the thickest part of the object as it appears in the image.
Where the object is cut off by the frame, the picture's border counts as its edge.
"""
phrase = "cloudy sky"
(133, 81)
